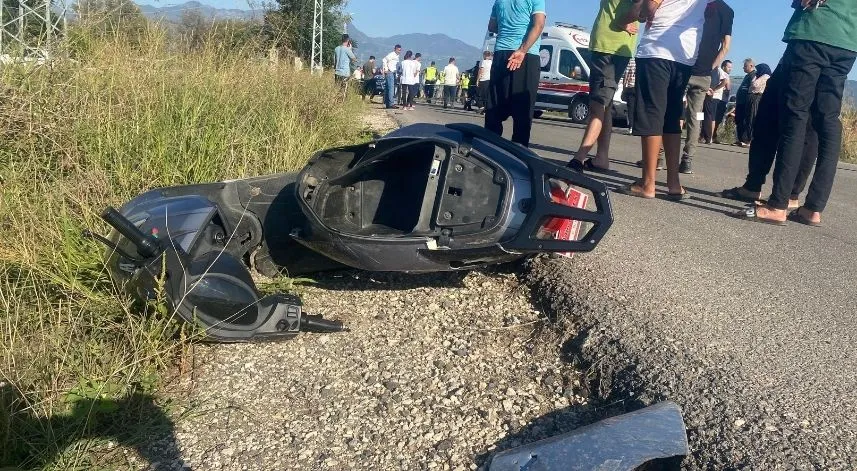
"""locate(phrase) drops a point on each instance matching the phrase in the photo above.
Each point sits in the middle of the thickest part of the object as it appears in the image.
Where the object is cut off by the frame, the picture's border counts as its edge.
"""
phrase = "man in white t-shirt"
(484, 79)
(668, 49)
(450, 84)
(715, 109)
(411, 78)
(389, 64)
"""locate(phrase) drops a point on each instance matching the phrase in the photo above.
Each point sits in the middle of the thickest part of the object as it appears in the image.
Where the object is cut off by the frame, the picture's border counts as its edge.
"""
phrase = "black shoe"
(685, 167)
(576, 165)
(661, 164)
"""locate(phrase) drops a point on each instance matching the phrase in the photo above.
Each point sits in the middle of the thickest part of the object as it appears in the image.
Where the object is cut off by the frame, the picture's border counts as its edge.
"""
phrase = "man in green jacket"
(821, 51)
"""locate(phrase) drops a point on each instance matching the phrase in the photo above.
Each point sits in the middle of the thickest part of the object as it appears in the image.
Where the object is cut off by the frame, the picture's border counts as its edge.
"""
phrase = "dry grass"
(82, 134)
(849, 135)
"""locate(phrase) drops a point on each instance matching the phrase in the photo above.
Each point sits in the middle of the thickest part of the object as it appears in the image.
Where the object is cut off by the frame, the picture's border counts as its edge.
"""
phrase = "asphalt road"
(749, 327)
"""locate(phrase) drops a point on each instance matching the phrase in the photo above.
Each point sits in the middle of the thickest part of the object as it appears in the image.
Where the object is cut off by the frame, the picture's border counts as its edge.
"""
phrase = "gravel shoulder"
(437, 372)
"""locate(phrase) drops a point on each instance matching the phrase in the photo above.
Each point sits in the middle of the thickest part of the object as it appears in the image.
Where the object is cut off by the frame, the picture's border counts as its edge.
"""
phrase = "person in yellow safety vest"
(465, 90)
(431, 80)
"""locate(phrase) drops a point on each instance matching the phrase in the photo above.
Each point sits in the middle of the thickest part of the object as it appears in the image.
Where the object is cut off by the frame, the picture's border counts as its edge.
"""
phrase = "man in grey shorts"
(614, 36)
(716, 38)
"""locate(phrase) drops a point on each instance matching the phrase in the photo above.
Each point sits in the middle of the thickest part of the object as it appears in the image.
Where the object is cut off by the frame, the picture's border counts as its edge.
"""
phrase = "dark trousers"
(766, 138)
(401, 90)
(814, 76)
(430, 90)
(482, 95)
(512, 95)
(449, 95)
(630, 97)
(411, 93)
(750, 117)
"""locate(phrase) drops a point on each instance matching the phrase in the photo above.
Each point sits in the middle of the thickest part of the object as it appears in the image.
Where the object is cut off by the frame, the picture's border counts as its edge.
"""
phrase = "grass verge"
(81, 367)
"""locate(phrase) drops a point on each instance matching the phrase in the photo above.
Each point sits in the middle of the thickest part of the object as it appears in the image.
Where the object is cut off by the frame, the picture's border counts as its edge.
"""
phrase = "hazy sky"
(757, 32)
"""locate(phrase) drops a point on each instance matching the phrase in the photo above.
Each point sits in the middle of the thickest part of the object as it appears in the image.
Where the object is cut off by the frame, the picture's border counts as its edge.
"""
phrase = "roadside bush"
(121, 117)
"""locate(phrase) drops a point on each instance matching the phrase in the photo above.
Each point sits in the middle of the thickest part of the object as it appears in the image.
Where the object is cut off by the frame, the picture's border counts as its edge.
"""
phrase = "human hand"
(515, 60)
(710, 92)
(632, 28)
(807, 4)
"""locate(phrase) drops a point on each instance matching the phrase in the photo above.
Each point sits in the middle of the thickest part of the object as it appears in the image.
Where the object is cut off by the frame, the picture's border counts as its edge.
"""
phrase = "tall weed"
(115, 119)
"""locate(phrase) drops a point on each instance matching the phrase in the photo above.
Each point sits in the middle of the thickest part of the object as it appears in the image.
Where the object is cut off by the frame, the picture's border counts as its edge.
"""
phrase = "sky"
(757, 31)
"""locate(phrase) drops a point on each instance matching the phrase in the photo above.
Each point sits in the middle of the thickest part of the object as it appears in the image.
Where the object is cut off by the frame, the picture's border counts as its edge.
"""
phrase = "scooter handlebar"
(147, 245)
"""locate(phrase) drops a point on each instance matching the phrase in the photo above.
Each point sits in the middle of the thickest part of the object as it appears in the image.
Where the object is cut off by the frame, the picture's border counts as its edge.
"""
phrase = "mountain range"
(434, 47)
(173, 13)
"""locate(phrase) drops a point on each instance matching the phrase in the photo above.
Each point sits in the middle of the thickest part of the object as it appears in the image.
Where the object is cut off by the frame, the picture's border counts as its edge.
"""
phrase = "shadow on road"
(616, 180)
(356, 280)
(29, 441)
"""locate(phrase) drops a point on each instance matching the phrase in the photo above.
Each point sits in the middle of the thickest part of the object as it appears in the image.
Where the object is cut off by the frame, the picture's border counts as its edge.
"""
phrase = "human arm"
(384, 63)
(492, 25)
(758, 85)
(628, 22)
(724, 50)
(537, 25)
(648, 9)
(352, 56)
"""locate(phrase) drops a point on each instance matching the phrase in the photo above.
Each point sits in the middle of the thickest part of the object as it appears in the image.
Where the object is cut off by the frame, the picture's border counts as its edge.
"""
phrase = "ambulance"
(564, 80)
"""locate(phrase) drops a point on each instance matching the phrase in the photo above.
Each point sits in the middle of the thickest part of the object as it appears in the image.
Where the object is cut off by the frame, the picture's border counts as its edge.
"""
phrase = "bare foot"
(642, 190)
(771, 214)
(794, 203)
(812, 216)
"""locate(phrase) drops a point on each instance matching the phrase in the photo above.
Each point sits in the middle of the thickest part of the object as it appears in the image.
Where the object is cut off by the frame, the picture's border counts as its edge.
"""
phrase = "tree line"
(283, 24)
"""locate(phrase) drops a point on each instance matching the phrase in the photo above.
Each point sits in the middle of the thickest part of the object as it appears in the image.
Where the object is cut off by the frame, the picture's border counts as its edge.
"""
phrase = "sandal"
(795, 216)
(586, 165)
(736, 194)
(631, 191)
(749, 214)
(678, 196)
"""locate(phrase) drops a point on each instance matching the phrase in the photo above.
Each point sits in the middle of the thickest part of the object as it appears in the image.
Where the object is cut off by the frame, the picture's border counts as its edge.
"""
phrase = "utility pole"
(317, 37)
(13, 26)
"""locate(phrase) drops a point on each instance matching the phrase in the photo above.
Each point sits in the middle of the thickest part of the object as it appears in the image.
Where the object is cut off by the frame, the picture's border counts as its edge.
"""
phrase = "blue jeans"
(390, 95)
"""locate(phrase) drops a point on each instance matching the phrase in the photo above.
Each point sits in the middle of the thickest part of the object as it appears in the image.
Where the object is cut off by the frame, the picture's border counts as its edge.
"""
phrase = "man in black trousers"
(821, 51)
(516, 67)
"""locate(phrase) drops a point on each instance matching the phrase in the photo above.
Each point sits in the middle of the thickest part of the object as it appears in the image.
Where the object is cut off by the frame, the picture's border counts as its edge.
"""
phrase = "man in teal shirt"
(515, 70)
(821, 51)
(614, 38)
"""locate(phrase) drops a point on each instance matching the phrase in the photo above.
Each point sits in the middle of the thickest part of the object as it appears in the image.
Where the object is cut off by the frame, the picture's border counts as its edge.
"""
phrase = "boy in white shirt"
(450, 84)
(668, 49)
(484, 79)
(411, 78)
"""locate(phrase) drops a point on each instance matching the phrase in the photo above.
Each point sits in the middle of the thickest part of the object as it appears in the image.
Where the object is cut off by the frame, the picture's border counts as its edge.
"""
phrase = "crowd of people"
(670, 57)
(403, 79)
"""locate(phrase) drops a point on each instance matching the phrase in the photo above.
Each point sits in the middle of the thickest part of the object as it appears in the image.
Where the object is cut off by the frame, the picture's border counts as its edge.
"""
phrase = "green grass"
(78, 357)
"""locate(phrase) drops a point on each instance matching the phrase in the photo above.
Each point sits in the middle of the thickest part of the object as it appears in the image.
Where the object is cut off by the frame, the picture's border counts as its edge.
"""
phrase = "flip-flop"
(749, 214)
(586, 165)
(735, 194)
(630, 191)
(795, 216)
(678, 196)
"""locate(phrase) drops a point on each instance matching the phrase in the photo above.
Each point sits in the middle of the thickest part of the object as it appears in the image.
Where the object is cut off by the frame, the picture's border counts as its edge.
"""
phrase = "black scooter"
(425, 198)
